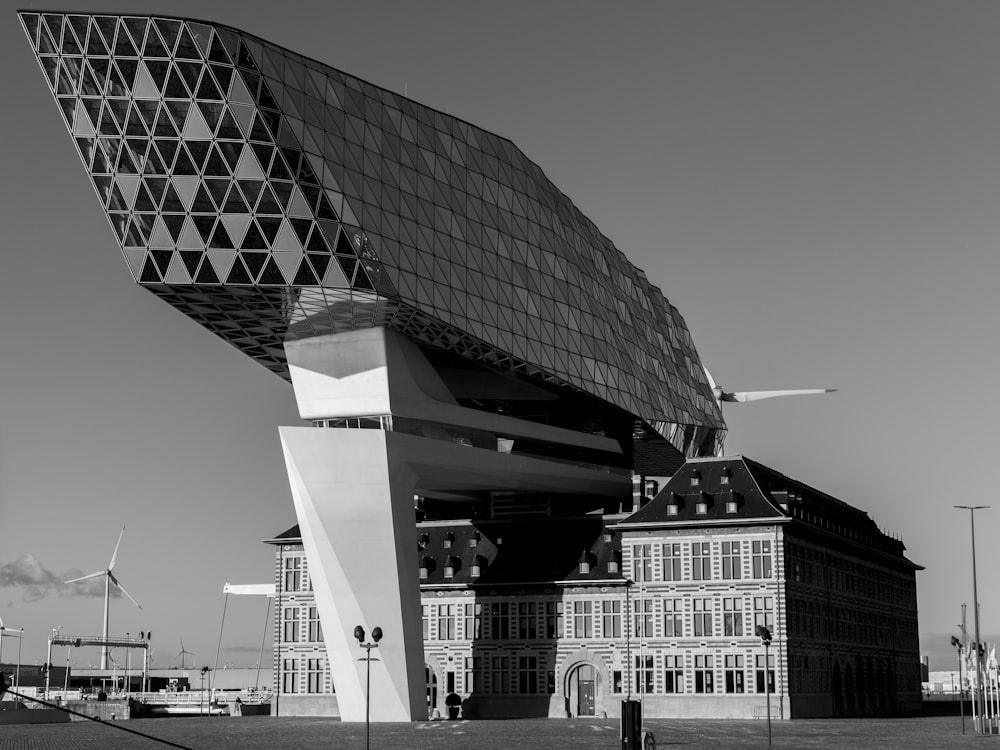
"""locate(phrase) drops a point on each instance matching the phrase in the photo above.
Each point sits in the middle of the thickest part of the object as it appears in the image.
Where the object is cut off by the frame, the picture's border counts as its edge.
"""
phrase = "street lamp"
(957, 644)
(765, 638)
(201, 705)
(980, 697)
(359, 633)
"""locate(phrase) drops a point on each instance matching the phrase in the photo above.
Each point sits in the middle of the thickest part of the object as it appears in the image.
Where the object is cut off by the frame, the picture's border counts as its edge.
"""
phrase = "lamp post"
(359, 633)
(201, 705)
(765, 638)
(979, 695)
(957, 644)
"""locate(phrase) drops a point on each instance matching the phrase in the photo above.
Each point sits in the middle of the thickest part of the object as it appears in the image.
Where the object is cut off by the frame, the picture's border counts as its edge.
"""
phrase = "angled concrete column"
(353, 492)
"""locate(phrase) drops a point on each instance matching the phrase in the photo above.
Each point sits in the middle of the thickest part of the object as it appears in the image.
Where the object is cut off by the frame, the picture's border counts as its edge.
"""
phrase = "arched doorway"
(581, 692)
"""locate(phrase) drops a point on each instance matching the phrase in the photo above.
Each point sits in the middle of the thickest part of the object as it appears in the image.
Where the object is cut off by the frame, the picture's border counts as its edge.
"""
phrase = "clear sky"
(815, 185)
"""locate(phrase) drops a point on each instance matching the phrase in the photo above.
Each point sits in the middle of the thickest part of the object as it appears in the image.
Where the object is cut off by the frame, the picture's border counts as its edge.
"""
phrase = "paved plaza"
(265, 733)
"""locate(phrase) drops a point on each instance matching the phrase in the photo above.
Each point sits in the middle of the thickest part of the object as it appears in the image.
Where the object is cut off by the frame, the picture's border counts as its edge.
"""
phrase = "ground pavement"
(289, 733)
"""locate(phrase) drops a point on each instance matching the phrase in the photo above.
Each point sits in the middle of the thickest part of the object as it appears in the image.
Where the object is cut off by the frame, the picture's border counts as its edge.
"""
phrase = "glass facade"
(270, 198)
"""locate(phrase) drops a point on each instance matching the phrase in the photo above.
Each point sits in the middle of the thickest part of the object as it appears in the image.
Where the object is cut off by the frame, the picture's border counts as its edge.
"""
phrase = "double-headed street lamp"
(359, 633)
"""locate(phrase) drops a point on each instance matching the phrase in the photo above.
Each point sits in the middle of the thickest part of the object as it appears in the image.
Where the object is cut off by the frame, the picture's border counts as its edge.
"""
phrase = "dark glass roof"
(270, 197)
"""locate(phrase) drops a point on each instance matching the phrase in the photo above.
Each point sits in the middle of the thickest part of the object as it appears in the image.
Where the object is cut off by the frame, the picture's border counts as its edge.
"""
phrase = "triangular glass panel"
(228, 129)
(135, 257)
(147, 110)
(236, 226)
(235, 203)
(82, 126)
(207, 275)
(297, 206)
(178, 112)
(248, 166)
(142, 200)
(221, 261)
(215, 166)
(245, 59)
(264, 152)
(199, 151)
(325, 210)
(337, 274)
(223, 76)
(166, 146)
(176, 272)
(70, 46)
(319, 263)
(287, 263)
(169, 29)
(204, 224)
(286, 239)
(240, 94)
(144, 87)
(103, 184)
(195, 128)
(217, 52)
(190, 72)
(184, 165)
(135, 126)
(95, 45)
(283, 192)
(149, 273)
(272, 274)
(202, 35)
(265, 99)
(117, 200)
(186, 48)
(137, 30)
(191, 258)
(220, 238)
(116, 85)
(175, 88)
(305, 276)
(45, 44)
(230, 152)
(254, 262)
(51, 67)
(123, 45)
(253, 240)
(251, 190)
(268, 204)
(125, 163)
(65, 83)
(218, 189)
(171, 201)
(243, 114)
(154, 47)
(202, 203)
(269, 227)
(136, 236)
(208, 90)
(259, 132)
(316, 243)
(175, 224)
(344, 245)
(212, 112)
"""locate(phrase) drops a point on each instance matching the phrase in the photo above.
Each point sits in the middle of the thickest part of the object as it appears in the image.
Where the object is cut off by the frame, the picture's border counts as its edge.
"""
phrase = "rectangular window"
(761, 553)
(611, 619)
(734, 674)
(289, 675)
(499, 674)
(583, 623)
(644, 673)
(702, 617)
(314, 676)
(642, 618)
(473, 621)
(760, 673)
(527, 621)
(673, 618)
(499, 621)
(553, 619)
(293, 573)
(446, 622)
(616, 681)
(763, 612)
(701, 561)
(673, 674)
(527, 674)
(425, 617)
(732, 560)
(671, 562)
(315, 627)
(732, 615)
(703, 674)
(642, 562)
(473, 674)
(290, 632)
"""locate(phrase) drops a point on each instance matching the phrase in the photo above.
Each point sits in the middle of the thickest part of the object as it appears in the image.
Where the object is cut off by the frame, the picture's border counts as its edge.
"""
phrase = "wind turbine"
(181, 654)
(109, 578)
(723, 396)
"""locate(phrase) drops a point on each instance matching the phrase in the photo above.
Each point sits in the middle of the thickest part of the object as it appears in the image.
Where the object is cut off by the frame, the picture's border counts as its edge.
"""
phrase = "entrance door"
(586, 694)
(432, 689)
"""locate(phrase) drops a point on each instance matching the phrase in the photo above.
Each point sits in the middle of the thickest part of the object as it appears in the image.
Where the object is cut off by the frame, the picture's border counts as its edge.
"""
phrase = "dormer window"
(701, 508)
(724, 477)
(585, 563)
(609, 536)
(474, 539)
(671, 510)
(696, 479)
(426, 566)
(450, 566)
(477, 566)
(613, 564)
(731, 506)
(448, 539)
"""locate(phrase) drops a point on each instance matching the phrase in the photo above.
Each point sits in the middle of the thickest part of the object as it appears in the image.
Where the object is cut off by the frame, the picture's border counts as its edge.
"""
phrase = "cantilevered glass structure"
(331, 229)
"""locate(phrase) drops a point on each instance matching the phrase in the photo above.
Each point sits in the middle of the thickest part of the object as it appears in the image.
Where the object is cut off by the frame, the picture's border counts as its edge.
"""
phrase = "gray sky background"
(814, 185)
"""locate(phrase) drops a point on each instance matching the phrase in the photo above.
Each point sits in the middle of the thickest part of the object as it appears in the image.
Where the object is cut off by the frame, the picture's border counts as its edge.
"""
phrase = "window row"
(298, 629)
(702, 561)
(702, 673)
(314, 679)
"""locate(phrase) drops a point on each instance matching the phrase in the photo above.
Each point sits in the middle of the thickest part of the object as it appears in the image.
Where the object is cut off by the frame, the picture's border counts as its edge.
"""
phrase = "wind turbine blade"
(114, 555)
(122, 588)
(711, 380)
(87, 577)
(745, 396)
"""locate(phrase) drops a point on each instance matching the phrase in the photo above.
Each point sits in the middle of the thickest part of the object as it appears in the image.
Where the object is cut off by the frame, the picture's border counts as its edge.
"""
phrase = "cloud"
(37, 582)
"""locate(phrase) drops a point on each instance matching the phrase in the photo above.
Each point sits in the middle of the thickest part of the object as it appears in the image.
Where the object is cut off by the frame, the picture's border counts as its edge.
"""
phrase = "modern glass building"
(407, 271)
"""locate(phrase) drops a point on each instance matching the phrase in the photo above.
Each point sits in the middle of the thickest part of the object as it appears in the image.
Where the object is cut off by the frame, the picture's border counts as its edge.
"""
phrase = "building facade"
(567, 616)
